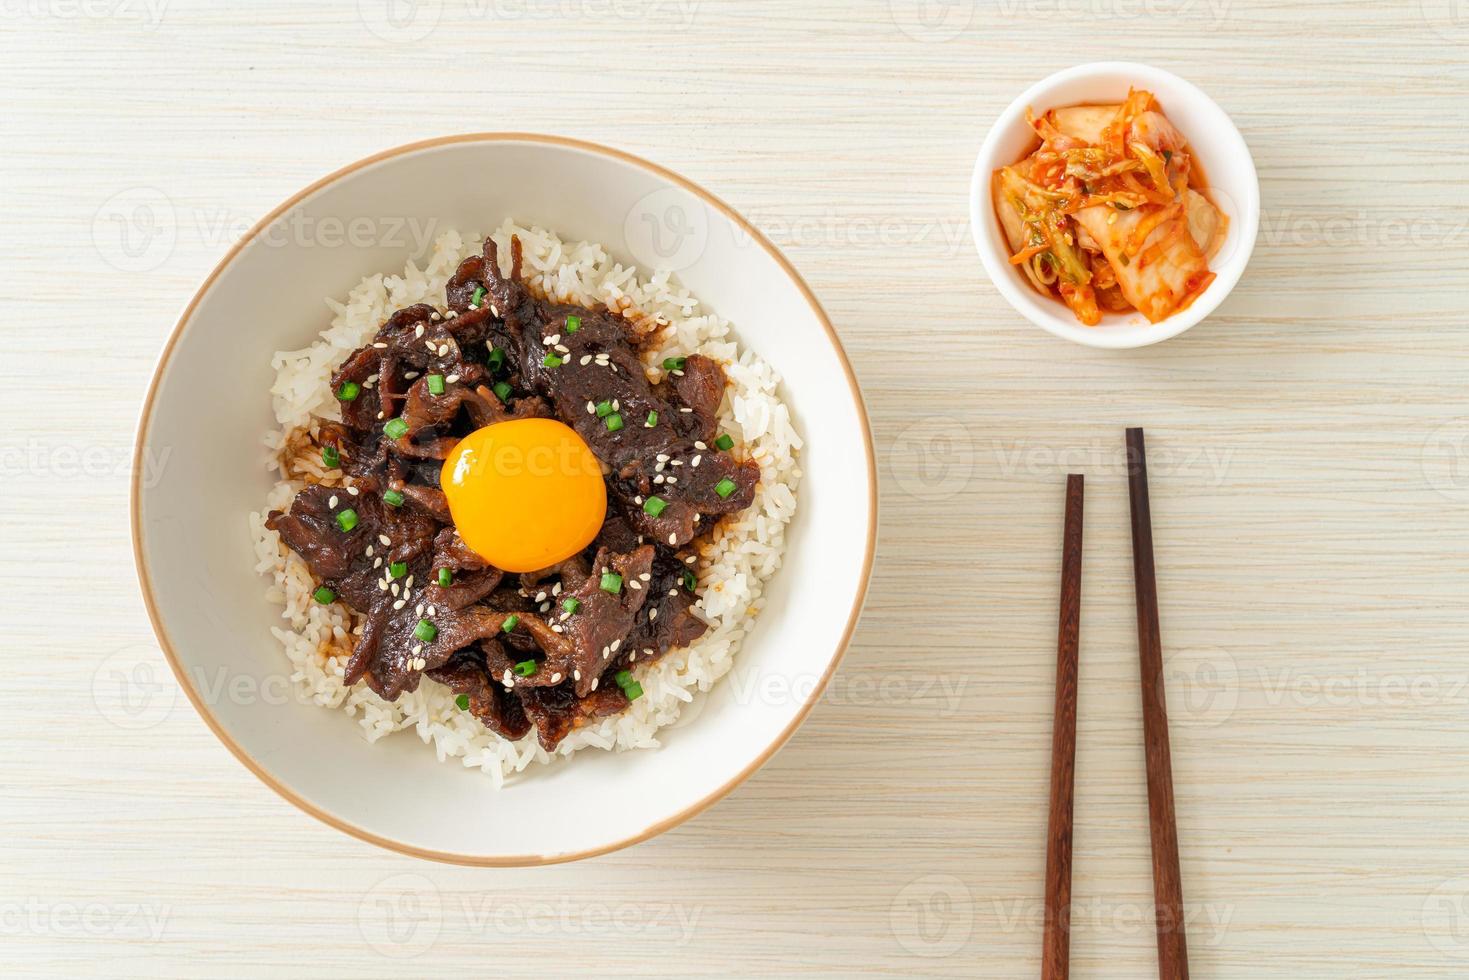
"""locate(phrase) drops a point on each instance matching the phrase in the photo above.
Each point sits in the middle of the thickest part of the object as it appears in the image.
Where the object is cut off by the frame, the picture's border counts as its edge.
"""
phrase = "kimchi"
(1110, 213)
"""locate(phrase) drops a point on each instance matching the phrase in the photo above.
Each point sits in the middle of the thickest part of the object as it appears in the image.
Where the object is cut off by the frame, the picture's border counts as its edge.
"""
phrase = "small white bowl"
(1218, 147)
(209, 405)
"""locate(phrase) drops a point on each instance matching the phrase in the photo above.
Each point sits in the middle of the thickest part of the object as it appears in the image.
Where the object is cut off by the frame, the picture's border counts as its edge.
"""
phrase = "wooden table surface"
(1309, 456)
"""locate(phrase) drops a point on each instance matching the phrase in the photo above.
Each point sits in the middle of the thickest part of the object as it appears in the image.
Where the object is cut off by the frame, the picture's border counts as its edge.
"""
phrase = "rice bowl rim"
(145, 581)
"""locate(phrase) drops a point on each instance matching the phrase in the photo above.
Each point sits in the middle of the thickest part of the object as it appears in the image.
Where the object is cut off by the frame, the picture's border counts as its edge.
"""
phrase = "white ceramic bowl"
(1218, 147)
(208, 407)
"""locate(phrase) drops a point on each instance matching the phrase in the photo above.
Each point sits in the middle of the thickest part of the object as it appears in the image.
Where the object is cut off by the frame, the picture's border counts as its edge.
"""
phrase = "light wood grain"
(1312, 547)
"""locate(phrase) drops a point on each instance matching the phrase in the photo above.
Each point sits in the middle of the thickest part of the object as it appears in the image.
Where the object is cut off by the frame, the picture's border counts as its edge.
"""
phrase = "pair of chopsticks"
(1162, 823)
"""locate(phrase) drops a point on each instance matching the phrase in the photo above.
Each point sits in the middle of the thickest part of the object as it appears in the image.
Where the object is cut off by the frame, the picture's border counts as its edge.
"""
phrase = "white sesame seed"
(544, 607)
(384, 539)
(553, 340)
(379, 415)
(408, 582)
(676, 462)
(594, 682)
(634, 584)
(410, 375)
(433, 611)
(418, 330)
(417, 649)
(672, 480)
(450, 314)
(434, 315)
(591, 407)
(352, 490)
(382, 586)
(333, 501)
(661, 457)
(615, 645)
(451, 379)
(419, 610)
(394, 588)
(616, 405)
(377, 563)
(369, 551)
(686, 410)
(699, 445)
(562, 348)
(646, 576)
(380, 346)
(576, 675)
(695, 461)
(494, 309)
(541, 596)
(555, 628)
(652, 614)
(398, 604)
(606, 653)
(556, 589)
(585, 360)
(556, 678)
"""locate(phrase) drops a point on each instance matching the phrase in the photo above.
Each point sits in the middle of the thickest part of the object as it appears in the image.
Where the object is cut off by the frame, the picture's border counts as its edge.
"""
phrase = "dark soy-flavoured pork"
(513, 648)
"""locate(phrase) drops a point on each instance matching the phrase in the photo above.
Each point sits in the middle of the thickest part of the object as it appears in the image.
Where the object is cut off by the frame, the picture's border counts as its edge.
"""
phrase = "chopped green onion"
(347, 519)
(463, 702)
(674, 363)
(630, 687)
(611, 582)
(478, 297)
(725, 487)
(654, 506)
(324, 595)
(689, 581)
(652, 420)
(526, 668)
(396, 429)
(552, 361)
(446, 578)
(613, 422)
(502, 390)
(571, 604)
(573, 324)
(496, 360)
(435, 384)
(330, 457)
(349, 391)
(425, 631)
(393, 498)
(724, 442)
(604, 409)
(397, 569)
(510, 623)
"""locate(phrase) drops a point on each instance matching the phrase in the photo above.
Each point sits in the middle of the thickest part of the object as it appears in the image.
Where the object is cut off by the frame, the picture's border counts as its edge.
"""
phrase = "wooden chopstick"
(1056, 948)
(1162, 822)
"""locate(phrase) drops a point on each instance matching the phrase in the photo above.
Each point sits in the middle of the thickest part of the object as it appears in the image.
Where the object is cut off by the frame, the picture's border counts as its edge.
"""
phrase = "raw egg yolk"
(525, 494)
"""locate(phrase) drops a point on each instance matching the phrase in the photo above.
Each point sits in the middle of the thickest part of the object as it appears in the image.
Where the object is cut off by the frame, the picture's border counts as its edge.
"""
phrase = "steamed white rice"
(732, 570)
